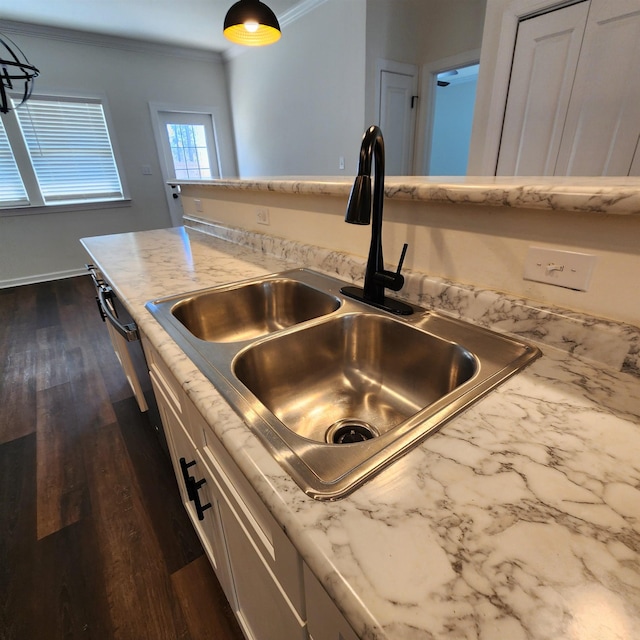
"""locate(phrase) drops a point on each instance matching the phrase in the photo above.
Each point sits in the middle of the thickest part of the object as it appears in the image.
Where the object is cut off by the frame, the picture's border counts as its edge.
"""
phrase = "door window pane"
(188, 143)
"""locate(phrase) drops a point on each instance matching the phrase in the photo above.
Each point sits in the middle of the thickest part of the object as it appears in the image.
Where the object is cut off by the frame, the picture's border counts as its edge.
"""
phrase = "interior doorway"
(454, 100)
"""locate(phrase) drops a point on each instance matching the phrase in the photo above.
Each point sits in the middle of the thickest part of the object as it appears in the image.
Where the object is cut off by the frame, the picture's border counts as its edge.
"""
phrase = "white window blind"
(70, 149)
(12, 191)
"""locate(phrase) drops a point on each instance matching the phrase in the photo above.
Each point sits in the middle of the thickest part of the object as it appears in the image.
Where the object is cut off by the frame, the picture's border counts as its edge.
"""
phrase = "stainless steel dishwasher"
(125, 338)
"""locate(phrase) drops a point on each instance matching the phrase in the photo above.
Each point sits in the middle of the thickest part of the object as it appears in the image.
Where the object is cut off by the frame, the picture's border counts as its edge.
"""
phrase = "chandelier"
(16, 73)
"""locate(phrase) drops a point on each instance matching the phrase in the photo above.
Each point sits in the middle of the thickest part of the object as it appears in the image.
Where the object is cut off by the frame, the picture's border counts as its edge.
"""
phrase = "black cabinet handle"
(186, 476)
(193, 486)
(200, 508)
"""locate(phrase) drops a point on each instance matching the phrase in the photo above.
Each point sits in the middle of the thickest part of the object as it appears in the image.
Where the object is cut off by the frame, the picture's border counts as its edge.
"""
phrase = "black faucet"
(359, 211)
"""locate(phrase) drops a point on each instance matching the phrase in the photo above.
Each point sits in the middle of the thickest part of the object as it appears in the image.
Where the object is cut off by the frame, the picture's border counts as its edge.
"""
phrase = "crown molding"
(298, 10)
(107, 41)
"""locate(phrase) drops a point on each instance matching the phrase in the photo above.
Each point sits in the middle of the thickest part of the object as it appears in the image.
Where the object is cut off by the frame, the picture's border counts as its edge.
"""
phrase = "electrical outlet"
(262, 216)
(341, 163)
(561, 268)
(198, 203)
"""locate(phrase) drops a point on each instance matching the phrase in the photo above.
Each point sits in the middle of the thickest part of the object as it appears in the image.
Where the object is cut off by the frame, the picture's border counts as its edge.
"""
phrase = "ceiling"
(190, 23)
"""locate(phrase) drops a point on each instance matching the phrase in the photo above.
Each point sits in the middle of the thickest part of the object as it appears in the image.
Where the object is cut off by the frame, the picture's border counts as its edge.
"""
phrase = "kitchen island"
(519, 519)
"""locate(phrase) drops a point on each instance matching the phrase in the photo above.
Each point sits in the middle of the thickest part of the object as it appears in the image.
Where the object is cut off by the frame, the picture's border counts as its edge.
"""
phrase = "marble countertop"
(519, 520)
(616, 196)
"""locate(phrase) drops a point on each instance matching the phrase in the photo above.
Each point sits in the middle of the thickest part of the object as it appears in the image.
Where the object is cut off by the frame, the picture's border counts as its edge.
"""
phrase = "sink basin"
(239, 313)
(353, 377)
(335, 389)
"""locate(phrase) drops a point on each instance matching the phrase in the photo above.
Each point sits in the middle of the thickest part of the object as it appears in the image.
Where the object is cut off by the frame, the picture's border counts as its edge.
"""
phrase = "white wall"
(129, 75)
(419, 32)
(304, 102)
(298, 104)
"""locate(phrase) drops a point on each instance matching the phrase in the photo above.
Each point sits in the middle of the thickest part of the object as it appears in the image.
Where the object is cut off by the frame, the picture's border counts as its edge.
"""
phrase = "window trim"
(19, 148)
(43, 209)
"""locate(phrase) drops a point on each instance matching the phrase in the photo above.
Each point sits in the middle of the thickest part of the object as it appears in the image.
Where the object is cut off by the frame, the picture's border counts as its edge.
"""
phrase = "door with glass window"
(189, 152)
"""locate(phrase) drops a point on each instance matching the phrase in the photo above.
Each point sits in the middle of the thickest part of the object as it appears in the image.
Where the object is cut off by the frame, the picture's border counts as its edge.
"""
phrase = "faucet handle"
(390, 279)
(402, 256)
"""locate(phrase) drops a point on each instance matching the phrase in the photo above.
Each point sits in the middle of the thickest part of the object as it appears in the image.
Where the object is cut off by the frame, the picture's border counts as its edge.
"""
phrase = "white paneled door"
(573, 106)
(398, 89)
(544, 65)
(188, 151)
(603, 121)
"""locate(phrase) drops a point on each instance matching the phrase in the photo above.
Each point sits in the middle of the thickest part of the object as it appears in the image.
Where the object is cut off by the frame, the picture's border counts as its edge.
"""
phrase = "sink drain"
(348, 431)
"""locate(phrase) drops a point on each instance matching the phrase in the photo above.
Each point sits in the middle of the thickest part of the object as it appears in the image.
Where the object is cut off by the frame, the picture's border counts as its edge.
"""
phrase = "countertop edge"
(598, 195)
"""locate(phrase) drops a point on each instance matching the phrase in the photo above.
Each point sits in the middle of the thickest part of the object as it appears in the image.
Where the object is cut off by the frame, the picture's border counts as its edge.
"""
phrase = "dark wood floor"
(94, 542)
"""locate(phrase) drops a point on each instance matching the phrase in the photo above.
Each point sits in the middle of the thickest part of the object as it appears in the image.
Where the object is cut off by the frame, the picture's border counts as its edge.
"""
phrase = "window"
(189, 151)
(12, 191)
(60, 152)
(188, 143)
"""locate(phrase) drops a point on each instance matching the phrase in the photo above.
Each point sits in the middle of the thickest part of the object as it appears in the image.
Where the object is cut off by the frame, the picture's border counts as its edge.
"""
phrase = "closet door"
(603, 120)
(544, 64)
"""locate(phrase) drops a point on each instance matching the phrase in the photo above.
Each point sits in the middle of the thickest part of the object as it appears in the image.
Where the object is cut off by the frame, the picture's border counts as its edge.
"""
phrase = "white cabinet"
(258, 568)
(263, 607)
(573, 106)
(194, 482)
(324, 620)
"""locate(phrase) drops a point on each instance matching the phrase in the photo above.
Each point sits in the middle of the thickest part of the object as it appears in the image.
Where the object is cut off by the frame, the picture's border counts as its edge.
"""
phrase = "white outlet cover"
(262, 216)
(567, 269)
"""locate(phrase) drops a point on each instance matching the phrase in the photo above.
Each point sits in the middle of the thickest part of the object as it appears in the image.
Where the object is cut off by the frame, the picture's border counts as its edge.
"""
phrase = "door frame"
(427, 105)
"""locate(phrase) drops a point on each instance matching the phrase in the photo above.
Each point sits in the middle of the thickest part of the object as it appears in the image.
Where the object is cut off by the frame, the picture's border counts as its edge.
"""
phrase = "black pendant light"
(252, 23)
(16, 73)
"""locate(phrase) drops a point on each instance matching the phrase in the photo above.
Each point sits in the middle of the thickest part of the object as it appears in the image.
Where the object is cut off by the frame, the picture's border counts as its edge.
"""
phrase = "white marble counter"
(519, 520)
(616, 196)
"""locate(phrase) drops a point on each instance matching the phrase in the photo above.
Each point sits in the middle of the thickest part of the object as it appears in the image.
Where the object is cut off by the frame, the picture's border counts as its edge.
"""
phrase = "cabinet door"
(213, 540)
(187, 462)
(544, 65)
(263, 609)
(603, 121)
(325, 622)
(180, 444)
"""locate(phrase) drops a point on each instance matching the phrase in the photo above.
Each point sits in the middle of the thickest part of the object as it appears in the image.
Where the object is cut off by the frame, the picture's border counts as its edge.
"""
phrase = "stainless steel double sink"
(335, 389)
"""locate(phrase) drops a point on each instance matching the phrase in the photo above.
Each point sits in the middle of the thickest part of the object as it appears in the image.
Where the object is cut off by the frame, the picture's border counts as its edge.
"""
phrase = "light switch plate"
(262, 216)
(567, 269)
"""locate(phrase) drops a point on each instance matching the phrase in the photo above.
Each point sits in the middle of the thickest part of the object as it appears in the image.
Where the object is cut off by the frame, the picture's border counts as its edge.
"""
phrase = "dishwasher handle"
(93, 272)
(128, 331)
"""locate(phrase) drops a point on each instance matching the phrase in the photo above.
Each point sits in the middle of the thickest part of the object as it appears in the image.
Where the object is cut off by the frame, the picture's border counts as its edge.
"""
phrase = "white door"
(188, 152)
(603, 121)
(397, 118)
(544, 65)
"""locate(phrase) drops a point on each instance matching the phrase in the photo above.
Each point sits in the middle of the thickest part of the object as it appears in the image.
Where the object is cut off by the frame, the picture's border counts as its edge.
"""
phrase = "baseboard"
(42, 277)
